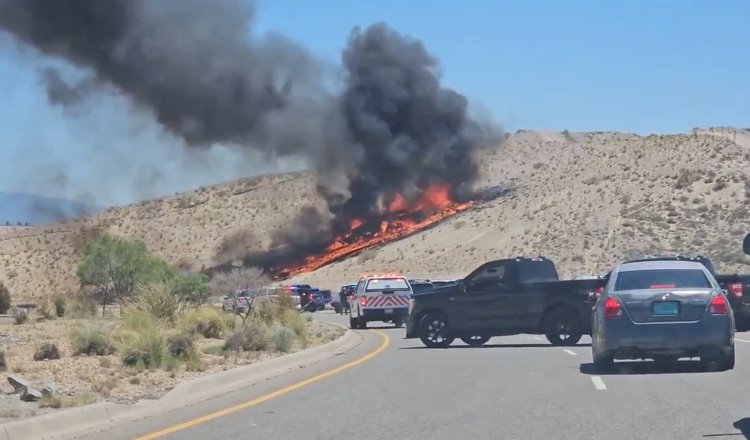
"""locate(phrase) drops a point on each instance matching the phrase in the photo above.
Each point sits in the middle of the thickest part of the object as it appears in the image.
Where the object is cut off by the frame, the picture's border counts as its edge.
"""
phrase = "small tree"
(4, 299)
(252, 278)
(115, 265)
(191, 287)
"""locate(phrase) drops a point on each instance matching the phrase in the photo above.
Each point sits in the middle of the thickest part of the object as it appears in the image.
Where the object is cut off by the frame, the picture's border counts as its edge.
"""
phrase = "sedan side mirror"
(746, 245)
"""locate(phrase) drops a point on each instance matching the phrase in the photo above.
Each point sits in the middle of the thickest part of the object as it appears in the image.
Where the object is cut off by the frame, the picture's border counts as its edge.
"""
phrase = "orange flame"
(434, 205)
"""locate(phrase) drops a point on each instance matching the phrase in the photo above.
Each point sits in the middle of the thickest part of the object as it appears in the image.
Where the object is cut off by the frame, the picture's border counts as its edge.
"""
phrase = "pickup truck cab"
(504, 297)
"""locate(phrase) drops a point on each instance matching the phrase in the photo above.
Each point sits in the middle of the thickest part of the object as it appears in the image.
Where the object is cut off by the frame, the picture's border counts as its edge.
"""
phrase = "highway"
(517, 387)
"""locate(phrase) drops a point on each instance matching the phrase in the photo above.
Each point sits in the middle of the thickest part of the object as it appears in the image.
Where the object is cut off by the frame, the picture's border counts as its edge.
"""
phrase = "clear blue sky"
(630, 65)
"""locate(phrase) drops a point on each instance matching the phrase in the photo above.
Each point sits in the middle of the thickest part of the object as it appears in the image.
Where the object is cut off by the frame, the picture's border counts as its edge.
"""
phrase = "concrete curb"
(99, 416)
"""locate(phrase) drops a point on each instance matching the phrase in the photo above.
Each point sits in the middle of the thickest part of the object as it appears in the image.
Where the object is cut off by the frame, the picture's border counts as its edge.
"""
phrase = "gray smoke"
(195, 67)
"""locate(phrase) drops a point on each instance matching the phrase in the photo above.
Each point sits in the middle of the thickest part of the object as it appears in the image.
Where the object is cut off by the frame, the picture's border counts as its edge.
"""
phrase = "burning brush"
(401, 220)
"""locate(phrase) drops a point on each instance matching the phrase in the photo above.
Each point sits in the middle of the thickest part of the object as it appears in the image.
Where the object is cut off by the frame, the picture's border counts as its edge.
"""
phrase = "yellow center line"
(269, 396)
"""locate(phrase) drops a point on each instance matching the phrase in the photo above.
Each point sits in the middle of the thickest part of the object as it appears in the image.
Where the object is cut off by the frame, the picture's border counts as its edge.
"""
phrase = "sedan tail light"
(612, 308)
(719, 306)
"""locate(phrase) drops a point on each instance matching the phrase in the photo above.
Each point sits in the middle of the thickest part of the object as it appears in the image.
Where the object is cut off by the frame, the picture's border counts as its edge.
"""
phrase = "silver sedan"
(662, 310)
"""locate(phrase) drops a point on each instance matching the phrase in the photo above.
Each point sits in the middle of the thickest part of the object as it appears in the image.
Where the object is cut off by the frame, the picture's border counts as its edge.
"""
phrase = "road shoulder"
(102, 416)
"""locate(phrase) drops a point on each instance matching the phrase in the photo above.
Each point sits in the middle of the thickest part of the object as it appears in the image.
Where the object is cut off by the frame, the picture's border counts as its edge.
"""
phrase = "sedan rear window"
(378, 284)
(662, 279)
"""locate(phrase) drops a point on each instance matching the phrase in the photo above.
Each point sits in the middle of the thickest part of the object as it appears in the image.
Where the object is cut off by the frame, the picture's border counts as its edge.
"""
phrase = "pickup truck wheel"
(362, 323)
(476, 341)
(398, 321)
(353, 323)
(562, 327)
(433, 331)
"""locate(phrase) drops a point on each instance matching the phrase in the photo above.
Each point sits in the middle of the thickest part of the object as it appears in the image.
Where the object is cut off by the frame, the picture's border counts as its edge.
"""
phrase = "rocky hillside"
(584, 199)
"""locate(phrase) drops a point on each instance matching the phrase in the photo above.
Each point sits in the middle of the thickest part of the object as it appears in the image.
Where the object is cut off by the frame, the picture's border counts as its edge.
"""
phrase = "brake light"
(719, 306)
(735, 289)
(612, 308)
(363, 301)
(662, 286)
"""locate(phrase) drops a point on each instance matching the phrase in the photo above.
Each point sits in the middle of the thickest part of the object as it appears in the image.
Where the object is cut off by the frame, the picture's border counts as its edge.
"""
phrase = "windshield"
(662, 279)
(378, 284)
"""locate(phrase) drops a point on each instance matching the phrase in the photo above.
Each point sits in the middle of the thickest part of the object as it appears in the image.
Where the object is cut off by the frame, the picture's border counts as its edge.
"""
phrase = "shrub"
(47, 351)
(292, 320)
(141, 340)
(5, 299)
(92, 340)
(180, 346)
(208, 322)
(3, 362)
(59, 302)
(253, 337)
(45, 310)
(282, 339)
(20, 316)
(82, 307)
(159, 300)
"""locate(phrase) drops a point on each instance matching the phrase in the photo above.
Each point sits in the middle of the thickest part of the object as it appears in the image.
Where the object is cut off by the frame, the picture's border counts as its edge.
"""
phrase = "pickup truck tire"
(475, 341)
(433, 331)
(398, 321)
(353, 324)
(562, 327)
(362, 323)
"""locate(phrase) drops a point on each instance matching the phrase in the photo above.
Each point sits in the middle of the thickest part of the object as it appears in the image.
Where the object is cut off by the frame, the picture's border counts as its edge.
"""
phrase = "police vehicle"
(380, 297)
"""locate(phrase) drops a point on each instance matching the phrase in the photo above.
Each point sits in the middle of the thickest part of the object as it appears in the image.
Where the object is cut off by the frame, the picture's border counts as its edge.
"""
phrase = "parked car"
(504, 297)
(662, 310)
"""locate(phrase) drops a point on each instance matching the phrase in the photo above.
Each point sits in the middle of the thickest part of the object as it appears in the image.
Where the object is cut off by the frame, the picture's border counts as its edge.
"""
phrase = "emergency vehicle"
(380, 297)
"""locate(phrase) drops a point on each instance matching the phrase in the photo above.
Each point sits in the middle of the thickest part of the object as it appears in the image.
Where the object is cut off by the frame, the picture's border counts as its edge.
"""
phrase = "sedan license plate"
(665, 308)
(388, 310)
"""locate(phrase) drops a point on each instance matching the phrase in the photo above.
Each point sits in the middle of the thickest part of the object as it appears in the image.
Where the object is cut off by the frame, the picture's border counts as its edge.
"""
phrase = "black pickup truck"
(504, 297)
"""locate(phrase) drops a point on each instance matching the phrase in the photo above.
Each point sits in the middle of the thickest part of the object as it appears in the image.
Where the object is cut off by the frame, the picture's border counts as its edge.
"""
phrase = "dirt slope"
(584, 199)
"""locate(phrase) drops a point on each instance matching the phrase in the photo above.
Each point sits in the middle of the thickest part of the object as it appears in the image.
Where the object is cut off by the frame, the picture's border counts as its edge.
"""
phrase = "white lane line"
(570, 352)
(598, 383)
(742, 340)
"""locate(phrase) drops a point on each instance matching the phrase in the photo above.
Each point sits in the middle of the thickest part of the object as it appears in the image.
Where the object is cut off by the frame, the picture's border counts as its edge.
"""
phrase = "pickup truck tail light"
(735, 289)
(363, 301)
(718, 306)
(612, 308)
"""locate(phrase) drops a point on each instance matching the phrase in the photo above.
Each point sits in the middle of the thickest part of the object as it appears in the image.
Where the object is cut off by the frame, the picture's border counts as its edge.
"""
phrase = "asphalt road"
(516, 387)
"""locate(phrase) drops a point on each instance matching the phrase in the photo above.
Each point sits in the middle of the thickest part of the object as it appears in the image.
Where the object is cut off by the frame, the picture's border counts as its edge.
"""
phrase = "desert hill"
(584, 199)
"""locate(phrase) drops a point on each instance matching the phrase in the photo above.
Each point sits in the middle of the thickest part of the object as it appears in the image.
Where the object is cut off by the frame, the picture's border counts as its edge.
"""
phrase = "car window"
(490, 272)
(377, 284)
(662, 279)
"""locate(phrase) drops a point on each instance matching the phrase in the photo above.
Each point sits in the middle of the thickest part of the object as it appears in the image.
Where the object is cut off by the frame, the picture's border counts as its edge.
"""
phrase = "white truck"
(380, 297)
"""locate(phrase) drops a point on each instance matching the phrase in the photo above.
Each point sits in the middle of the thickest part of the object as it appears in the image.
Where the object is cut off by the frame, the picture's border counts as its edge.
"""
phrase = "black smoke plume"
(390, 128)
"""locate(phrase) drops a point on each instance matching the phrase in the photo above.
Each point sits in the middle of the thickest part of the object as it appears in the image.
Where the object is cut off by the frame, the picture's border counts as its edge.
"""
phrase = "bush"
(3, 362)
(47, 351)
(292, 319)
(92, 340)
(208, 322)
(159, 300)
(181, 346)
(283, 339)
(45, 310)
(141, 340)
(5, 299)
(82, 307)
(59, 302)
(253, 337)
(20, 316)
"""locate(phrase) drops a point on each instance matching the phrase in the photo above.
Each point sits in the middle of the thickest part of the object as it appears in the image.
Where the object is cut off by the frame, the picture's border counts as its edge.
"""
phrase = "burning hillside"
(400, 220)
